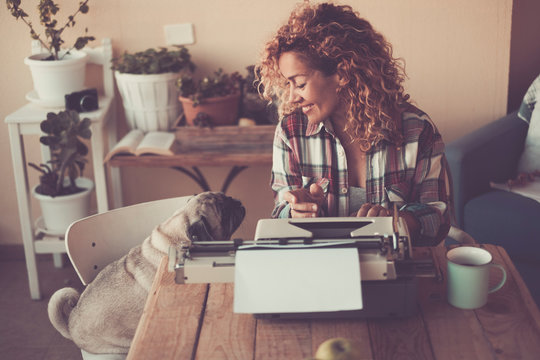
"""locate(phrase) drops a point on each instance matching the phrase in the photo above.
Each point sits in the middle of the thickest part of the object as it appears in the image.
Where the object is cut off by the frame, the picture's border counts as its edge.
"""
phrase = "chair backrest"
(95, 241)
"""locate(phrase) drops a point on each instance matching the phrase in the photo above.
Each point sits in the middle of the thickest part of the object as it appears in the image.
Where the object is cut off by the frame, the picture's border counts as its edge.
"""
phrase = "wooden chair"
(95, 241)
(98, 240)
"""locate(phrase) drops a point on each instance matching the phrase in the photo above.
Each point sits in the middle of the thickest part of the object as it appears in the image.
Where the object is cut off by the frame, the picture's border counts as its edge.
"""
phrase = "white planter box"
(150, 101)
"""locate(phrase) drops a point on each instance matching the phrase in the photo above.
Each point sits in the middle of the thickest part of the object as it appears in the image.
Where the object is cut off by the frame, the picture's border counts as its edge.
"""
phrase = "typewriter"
(385, 255)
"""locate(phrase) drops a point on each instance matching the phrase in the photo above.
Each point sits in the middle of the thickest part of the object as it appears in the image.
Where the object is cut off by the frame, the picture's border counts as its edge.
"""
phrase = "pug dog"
(104, 317)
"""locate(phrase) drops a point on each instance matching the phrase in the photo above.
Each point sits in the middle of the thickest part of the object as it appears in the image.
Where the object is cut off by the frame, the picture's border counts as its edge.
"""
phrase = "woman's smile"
(310, 90)
(306, 108)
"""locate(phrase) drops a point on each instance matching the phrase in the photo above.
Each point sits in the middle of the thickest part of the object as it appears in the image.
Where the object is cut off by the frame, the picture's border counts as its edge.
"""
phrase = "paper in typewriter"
(299, 280)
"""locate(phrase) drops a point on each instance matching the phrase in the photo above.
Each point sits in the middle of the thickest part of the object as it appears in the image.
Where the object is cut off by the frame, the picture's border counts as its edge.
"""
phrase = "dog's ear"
(198, 231)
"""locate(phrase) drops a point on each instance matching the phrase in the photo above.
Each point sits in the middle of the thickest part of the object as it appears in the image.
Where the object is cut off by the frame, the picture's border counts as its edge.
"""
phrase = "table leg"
(25, 216)
(197, 176)
(232, 174)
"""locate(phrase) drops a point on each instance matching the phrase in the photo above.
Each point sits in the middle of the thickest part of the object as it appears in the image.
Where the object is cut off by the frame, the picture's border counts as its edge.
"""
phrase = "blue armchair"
(491, 153)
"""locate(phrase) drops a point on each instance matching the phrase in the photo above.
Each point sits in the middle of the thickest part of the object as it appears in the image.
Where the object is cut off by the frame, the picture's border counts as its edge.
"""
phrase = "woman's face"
(309, 89)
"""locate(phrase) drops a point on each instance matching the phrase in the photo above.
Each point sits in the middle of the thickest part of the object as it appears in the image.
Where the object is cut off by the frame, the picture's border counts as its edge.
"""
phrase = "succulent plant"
(63, 134)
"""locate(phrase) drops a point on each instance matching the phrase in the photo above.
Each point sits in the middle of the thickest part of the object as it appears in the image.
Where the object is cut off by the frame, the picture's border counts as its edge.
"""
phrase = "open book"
(136, 142)
(530, 189)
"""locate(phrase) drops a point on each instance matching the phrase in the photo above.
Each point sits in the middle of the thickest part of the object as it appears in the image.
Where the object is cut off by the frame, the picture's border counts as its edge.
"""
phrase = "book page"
(156, 142)
(127, 144)
(530, 189)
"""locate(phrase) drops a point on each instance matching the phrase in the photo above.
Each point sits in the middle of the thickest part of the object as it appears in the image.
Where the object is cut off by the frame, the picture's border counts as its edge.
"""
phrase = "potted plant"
(254, 106)
(146, 81)
(213, 100)
(55, 72)
(63, 193)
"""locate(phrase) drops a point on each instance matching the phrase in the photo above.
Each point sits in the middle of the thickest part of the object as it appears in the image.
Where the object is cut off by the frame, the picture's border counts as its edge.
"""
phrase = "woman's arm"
(285, 176)
(430, 201)
(292, 199)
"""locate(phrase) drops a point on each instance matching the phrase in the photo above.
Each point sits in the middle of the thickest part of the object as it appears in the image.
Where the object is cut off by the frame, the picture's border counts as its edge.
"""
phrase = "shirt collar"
(314, 129)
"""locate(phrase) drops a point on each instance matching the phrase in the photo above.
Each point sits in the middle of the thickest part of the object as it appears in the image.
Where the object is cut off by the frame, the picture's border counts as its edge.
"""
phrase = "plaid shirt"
(414, 175)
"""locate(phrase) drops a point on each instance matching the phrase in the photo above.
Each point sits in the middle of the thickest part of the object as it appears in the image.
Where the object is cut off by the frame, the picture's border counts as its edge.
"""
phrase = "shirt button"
(344, 190)
(341, 153)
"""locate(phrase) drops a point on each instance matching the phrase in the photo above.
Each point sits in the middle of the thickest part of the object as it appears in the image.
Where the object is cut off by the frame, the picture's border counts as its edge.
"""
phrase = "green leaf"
(82, 149)
(85, 133)
(47, 10)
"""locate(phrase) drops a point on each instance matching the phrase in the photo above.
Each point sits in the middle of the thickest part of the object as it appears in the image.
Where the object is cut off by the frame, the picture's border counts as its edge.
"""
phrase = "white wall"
(456, 53)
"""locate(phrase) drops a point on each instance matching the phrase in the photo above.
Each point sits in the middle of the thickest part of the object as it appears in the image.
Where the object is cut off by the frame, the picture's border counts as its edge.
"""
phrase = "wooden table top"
(196, 321)
(218, 146)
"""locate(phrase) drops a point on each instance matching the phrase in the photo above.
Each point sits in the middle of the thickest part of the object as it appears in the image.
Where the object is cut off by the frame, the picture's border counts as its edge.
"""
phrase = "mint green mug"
(468, 277)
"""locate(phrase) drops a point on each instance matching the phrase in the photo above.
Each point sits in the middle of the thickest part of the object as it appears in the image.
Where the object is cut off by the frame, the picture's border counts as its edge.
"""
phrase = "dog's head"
(213, 216)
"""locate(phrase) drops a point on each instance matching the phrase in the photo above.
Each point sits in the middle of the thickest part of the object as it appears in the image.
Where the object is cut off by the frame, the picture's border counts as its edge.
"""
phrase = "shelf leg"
(112, 137)
(23, 201)
(58, 260)
(99, 168)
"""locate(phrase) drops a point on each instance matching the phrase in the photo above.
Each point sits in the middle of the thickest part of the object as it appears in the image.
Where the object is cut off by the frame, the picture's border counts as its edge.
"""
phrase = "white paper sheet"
(297, 280)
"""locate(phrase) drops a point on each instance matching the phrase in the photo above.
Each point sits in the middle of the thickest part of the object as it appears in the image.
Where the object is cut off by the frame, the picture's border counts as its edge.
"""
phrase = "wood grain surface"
(221, 145)
(196, 321)
(225, 335)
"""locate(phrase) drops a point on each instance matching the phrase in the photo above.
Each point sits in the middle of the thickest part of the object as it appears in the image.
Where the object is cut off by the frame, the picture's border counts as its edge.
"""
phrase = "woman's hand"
(305, 203)
(373, 210)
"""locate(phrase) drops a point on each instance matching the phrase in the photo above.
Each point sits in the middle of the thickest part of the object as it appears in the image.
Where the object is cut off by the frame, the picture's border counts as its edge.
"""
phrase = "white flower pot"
(53, 79)
(60, 211)
(150, 100)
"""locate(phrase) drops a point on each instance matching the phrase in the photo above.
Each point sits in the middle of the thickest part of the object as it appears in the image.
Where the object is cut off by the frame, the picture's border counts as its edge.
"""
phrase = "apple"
(338, 349)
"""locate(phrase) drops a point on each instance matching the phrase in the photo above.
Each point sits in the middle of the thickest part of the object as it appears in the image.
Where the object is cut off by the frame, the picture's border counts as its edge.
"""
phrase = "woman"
(350, 142)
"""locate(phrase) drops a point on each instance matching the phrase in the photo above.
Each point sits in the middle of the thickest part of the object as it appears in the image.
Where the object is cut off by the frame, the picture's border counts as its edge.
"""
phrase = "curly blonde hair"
(335, 39)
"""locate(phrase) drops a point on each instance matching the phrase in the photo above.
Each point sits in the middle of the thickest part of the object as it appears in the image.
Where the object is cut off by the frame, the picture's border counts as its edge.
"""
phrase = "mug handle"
(503, 280)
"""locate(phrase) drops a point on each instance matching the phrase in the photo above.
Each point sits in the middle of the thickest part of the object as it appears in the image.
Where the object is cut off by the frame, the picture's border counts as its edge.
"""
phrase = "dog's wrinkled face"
(213, 216)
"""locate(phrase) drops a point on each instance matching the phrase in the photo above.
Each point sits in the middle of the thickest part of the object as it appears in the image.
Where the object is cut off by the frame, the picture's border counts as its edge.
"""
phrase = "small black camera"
(82, 101)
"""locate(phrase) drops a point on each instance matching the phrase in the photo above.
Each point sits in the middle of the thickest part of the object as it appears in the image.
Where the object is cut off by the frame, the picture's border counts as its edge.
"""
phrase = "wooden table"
(196, 321)
(234, 146)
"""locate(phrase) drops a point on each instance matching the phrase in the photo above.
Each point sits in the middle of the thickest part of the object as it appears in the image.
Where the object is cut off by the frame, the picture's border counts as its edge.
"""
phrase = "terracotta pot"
(222, 110)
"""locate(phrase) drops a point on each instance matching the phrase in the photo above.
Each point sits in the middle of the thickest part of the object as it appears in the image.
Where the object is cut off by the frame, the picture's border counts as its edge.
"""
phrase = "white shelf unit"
(26, 121)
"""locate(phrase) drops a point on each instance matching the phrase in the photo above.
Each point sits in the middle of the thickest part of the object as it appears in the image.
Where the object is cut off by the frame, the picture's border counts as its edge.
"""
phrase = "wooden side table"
(234, 146)
(26, 121)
